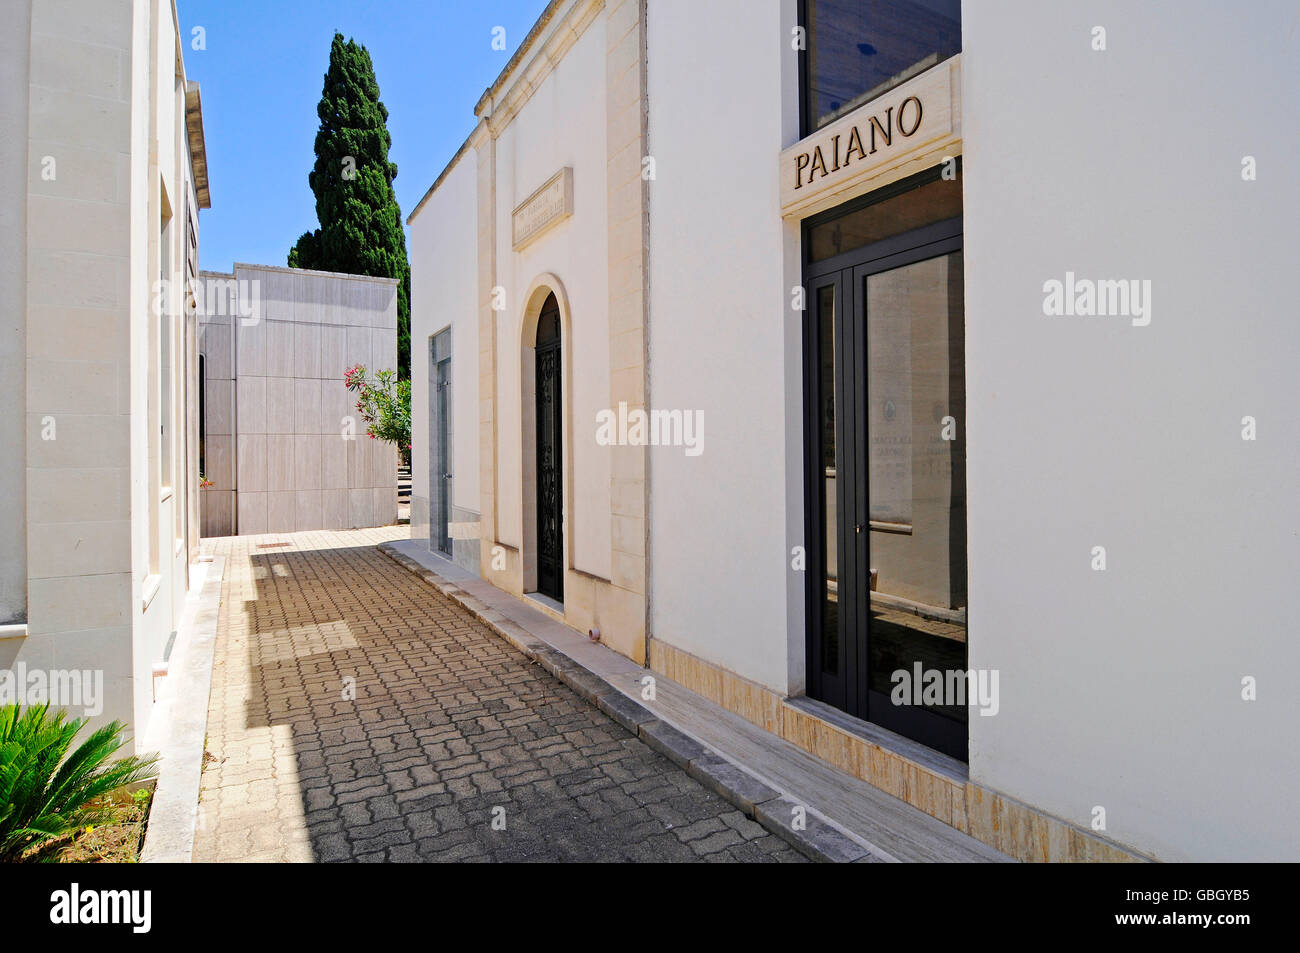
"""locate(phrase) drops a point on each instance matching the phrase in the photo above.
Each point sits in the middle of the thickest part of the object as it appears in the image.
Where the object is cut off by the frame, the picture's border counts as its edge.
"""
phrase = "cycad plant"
(47, 794)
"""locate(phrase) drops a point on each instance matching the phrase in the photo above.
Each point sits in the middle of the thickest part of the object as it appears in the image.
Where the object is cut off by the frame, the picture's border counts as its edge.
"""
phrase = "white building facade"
(99, 481)
(950, 322)
(540, 219)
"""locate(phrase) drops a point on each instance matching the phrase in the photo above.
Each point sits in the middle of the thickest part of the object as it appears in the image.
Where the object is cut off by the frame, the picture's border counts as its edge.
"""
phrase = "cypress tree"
(360, 223)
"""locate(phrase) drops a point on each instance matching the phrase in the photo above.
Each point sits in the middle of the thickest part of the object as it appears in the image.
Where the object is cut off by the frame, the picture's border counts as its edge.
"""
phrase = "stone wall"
(300, 457)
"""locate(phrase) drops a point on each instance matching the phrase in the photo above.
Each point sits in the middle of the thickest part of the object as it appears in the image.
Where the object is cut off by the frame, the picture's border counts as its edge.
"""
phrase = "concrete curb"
(169, 837)
(807, 833)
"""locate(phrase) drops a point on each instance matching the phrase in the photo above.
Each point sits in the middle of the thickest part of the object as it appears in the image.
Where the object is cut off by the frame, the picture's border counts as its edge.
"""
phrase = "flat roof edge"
(284, 269)
(197, 143)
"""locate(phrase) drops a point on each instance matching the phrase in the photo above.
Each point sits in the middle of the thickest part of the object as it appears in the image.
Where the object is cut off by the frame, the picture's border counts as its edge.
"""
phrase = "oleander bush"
(384, 403)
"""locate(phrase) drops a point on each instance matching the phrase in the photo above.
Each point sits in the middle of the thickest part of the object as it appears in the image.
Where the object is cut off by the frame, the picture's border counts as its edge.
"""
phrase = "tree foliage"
(360, 229)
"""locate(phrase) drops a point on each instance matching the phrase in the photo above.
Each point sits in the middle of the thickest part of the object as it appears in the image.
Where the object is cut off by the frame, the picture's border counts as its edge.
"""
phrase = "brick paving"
(357, 714)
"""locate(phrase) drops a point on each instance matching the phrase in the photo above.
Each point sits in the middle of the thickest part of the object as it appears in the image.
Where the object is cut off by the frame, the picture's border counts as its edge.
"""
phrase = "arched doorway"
(550, 453)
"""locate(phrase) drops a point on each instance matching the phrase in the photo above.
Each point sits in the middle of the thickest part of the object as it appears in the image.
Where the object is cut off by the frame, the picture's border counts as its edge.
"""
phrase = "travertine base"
(997, 820)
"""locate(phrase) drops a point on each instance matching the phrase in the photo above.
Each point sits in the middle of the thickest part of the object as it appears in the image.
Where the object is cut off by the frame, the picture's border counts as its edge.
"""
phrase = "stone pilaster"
(621, 606)
(485, 148)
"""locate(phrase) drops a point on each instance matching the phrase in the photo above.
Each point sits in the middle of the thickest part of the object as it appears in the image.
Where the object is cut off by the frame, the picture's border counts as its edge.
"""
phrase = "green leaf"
(360, 221)
(47, 793)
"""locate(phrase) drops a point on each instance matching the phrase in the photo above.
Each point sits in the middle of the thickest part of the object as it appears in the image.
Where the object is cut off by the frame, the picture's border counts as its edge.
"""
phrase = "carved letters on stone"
(548, 206)
(875, 142)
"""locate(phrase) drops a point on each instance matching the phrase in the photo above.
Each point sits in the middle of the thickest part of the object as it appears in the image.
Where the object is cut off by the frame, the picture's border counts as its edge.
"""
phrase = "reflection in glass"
(859, 49)
(916, 472)
(924, 203)
(830, 601)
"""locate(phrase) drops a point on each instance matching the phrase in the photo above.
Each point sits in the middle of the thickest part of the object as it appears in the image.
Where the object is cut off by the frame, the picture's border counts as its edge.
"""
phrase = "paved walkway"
(358, 714)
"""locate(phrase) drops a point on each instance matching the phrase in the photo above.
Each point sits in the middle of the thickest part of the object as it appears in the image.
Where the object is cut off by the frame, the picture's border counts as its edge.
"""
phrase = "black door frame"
(847, 273)
(442, 372)
(550, 570)
(440, 457)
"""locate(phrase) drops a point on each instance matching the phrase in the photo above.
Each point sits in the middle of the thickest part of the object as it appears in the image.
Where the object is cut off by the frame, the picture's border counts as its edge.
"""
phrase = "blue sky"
(261, 76)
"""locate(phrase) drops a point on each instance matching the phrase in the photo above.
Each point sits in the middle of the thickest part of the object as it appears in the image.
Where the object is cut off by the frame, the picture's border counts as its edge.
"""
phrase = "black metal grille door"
(550, 474)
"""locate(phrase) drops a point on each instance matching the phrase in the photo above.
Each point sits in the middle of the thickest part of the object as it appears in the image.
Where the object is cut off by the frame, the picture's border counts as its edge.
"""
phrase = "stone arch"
(541, 288)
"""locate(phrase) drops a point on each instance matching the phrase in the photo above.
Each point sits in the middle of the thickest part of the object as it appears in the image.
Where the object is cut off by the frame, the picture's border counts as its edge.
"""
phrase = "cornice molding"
(559, 27)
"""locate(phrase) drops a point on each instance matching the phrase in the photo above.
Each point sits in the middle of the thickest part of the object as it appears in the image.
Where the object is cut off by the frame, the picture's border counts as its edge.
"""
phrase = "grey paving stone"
(587, 684)
(628, 713)
(451, 725)
(818, 840)
(553, 661)
(730, 781)
(673, 744)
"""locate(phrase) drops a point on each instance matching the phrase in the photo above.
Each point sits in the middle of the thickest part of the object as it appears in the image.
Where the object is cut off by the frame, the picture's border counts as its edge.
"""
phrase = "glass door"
(442, 504)
(440, 433)
(913, 432)
(886, 515)
(829, 473)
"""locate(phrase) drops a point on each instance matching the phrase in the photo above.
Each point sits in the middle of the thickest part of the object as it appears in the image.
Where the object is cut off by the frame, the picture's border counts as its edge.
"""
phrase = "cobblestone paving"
(357, 714)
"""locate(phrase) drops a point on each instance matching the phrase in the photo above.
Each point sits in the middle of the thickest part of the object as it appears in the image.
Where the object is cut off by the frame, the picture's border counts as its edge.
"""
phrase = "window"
(913, 203)
(191, 247)
(165, 355)
(858, 49)
(159, 378)
(203, 417)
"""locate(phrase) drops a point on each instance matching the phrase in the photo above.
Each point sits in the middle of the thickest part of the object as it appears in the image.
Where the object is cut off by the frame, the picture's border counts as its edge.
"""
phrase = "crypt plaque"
(545, 208)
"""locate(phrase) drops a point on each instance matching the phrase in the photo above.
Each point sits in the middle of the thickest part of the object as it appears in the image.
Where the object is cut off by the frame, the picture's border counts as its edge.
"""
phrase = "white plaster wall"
(722, 337)
(444, 293)
(14, 54)
(156, 97)
(1122, 688)
(563, 124)
(180, 173)
(190, 359)
(84, 289)
(141, 196)
(79, 88)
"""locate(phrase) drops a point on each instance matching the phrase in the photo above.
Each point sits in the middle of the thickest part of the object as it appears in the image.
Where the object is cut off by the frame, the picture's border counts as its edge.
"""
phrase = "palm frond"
(47, 793)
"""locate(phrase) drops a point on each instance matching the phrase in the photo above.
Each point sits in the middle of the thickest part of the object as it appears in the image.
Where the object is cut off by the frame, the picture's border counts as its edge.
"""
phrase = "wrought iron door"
(550, 473)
